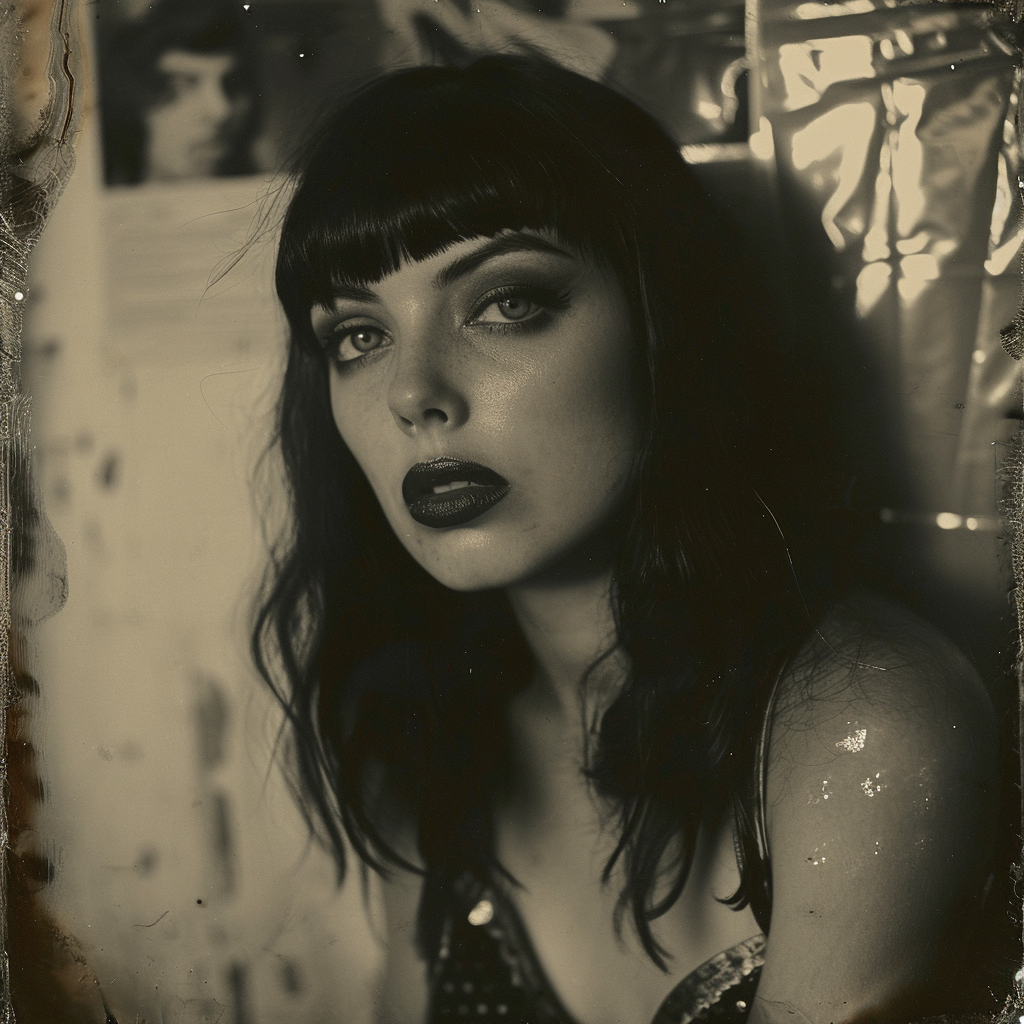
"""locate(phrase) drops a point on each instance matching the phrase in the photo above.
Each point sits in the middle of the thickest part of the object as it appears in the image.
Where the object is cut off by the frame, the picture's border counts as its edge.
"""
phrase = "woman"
(569, 645)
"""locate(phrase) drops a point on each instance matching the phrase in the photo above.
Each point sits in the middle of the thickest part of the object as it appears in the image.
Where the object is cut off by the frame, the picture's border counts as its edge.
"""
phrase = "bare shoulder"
(881, 795)
(874, 679)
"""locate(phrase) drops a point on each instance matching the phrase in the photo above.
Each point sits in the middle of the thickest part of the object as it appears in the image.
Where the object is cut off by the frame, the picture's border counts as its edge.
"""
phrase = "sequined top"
(487, 972)
(485, 969)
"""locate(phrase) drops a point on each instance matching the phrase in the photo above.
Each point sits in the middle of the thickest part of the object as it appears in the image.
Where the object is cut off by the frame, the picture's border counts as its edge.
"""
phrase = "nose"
(425, 393)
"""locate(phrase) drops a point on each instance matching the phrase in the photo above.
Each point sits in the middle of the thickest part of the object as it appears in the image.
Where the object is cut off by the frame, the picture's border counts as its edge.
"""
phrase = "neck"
(568, 625)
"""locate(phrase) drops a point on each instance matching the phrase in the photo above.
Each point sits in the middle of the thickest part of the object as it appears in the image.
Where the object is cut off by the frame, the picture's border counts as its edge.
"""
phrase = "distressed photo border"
(41, 109)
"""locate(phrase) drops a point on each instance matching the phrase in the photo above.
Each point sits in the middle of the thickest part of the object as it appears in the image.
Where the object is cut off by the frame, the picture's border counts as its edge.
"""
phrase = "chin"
(468, 561)
(462, 585)
(499, 555)
(467, 574)
(493, 564)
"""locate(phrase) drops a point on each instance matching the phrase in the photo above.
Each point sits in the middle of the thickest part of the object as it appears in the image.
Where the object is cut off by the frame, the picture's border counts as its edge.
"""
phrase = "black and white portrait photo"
(511, 512)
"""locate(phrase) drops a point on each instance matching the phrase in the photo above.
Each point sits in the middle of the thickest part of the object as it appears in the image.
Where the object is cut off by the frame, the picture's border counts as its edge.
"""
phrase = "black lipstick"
(451, 492)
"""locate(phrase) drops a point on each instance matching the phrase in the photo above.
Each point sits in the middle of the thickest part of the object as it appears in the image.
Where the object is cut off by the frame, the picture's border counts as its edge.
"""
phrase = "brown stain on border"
(43, 972)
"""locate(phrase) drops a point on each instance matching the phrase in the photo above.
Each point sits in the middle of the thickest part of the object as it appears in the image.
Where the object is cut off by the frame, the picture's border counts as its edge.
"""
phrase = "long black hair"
(722, 569)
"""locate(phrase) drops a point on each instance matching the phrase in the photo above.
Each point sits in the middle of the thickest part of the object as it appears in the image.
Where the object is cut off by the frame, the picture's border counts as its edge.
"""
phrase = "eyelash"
(547, 300)
(333, 343)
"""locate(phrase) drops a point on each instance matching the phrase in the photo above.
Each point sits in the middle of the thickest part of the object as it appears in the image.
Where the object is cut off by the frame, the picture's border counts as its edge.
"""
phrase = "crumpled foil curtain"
(895, 126)
(888, 132)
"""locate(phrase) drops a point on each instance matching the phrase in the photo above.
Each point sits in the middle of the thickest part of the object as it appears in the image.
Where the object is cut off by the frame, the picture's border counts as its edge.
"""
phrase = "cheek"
(579, 434)
(604, 435)
(595, 407)
(353, 409)
(362, 435)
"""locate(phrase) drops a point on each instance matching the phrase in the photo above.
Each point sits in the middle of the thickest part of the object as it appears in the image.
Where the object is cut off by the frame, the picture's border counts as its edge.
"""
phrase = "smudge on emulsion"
(109, 473)
(130, 751)
(146, 862)
(239, 988)
(854, 743)
(291, 977)
(49, 349)
(222, 843)
(210, 714)
(60, 491)
(211, 718)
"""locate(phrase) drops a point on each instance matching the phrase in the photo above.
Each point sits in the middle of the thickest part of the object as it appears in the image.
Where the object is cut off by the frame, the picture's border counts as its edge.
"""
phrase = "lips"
(451, 492)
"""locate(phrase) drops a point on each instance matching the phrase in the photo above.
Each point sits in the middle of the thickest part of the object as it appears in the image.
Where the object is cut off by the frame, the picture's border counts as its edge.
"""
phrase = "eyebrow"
(458, 268)
(491, 250)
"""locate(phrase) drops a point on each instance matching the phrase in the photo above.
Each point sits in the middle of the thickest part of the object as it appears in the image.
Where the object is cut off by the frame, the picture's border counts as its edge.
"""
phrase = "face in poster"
(621, 536)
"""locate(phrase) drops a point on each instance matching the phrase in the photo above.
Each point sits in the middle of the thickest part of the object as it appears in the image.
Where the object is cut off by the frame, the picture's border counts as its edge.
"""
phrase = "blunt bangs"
(432, 156)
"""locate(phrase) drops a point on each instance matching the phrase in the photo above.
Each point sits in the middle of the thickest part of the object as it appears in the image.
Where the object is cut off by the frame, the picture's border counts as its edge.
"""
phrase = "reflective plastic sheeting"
(993, 383)
(893, 126)
(685, 63)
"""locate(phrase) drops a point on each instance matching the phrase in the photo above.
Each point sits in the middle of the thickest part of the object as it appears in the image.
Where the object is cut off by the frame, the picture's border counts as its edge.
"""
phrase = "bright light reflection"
(904, 42)
(811, 11)
(998, 262)
(846, 130)
(1002, 210)
(908, 158)
(872, 282)
(876, 239)
(948, 521)
(922, 265)
(911, 246)
(762, 144)
(915, 273)
(809, 68)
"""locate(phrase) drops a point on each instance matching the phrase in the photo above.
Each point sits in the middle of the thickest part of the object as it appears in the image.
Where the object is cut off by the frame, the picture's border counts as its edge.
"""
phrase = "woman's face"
(199, 119)
(487, 394)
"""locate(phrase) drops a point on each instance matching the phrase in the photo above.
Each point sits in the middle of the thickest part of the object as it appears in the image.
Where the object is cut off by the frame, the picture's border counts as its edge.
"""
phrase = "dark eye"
(349, 344)
(365, 339)
(515, 307)
(508, 309)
